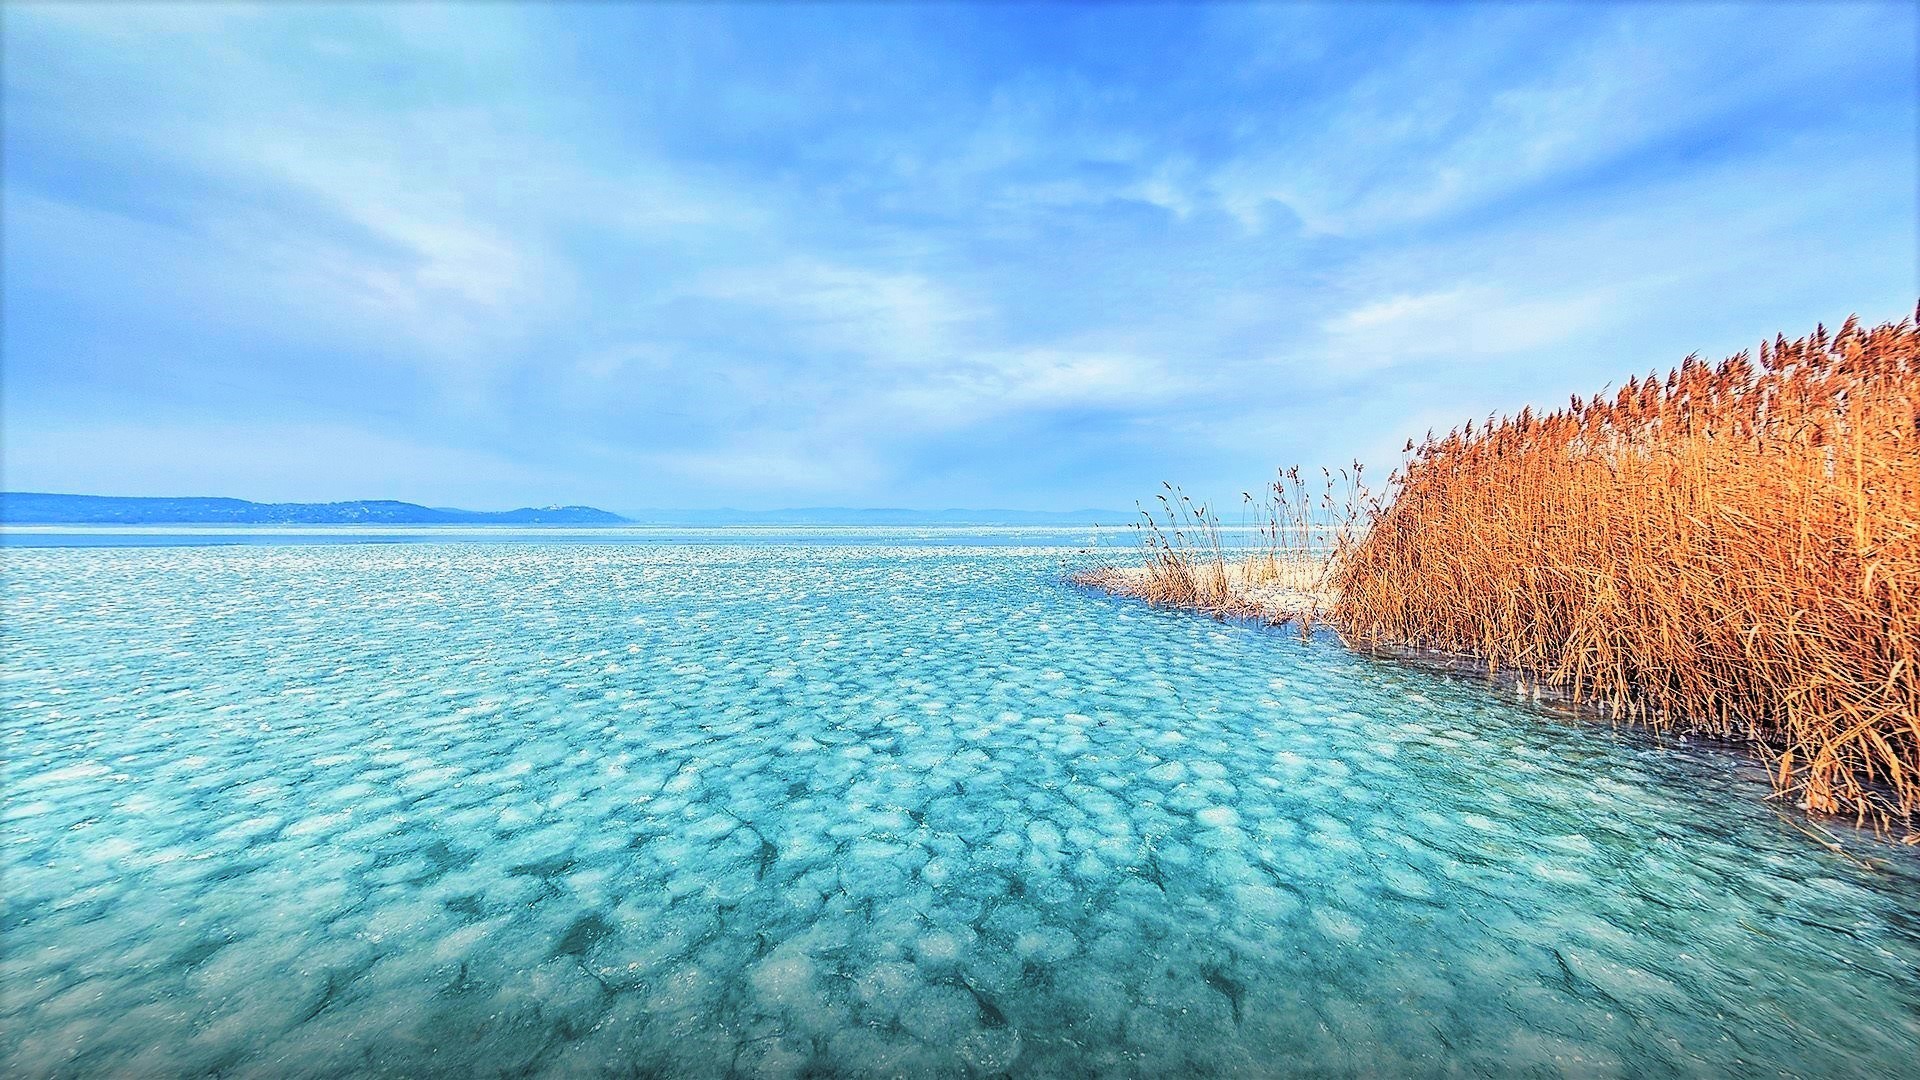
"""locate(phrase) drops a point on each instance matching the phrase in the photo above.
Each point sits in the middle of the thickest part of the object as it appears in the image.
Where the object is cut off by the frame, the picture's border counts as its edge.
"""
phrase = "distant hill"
(38, 508)
(846, 515)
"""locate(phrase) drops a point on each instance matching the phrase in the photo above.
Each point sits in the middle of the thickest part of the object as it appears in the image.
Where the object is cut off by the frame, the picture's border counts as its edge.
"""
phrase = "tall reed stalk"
(1278, 566)
(1734, 549)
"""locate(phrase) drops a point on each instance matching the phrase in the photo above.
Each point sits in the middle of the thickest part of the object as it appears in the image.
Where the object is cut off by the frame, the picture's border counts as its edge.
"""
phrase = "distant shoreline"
(345, 527)
(19, 508)
(50, 508)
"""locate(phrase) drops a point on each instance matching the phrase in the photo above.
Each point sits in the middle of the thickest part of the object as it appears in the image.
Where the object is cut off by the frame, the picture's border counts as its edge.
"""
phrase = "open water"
(803, 806)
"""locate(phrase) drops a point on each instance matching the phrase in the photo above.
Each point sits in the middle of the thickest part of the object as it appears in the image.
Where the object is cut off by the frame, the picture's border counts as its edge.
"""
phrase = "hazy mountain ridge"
(41, 508)
(847, 515)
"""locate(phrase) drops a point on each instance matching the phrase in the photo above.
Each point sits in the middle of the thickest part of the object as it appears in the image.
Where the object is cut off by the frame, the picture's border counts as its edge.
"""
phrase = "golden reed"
(1278, 568)
(1734, 550)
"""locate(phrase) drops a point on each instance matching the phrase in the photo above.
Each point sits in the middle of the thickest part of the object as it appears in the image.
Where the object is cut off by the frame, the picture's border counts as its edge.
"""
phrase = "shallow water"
(661, 809)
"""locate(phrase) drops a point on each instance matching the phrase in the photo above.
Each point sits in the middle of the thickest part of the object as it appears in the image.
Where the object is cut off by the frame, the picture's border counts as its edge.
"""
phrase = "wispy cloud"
(879, 316)
(1462, 324)
(1515, 98)
(899, 255)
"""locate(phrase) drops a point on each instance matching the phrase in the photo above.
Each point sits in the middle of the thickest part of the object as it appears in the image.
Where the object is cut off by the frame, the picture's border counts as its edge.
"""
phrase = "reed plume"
(1733, 549)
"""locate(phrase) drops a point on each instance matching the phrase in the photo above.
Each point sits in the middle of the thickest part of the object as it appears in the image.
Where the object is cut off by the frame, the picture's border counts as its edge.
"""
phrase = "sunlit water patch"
(700, 811)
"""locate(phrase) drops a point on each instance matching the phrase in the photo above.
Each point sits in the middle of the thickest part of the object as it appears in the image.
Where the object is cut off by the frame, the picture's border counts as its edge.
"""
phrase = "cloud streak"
(1048, 262)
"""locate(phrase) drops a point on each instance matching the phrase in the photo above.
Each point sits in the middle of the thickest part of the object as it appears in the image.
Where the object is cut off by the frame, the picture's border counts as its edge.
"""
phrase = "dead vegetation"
(1732, 549)
(1276, 566)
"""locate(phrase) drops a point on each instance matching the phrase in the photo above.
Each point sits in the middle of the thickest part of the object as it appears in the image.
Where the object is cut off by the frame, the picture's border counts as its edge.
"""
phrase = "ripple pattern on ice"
(579, 809)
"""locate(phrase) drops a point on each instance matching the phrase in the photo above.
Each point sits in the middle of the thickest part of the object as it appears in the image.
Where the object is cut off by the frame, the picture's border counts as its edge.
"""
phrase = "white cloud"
(807, 285)
(1463, 325)
(426, 261)
(886, 317)
(1466, 118)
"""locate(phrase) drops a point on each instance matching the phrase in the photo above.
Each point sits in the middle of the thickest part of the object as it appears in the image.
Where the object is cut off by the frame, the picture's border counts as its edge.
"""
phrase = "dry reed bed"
(1732, 550)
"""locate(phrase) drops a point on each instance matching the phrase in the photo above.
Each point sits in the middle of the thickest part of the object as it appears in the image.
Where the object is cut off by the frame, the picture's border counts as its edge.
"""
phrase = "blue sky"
(891, 255)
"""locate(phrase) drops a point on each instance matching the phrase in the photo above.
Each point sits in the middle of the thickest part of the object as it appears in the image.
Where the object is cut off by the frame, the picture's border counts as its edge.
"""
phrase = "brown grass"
(1278, 567)
(1734, 549)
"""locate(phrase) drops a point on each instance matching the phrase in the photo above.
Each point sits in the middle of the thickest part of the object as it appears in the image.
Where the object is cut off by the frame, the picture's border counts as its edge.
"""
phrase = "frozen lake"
(856, 804)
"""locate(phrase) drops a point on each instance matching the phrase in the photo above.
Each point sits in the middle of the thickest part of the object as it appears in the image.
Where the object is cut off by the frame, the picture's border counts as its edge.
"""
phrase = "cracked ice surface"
(574, 809)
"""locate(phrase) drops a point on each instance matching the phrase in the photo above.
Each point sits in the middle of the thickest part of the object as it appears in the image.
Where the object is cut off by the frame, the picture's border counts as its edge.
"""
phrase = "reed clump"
(1733, 550)
(1277, 565)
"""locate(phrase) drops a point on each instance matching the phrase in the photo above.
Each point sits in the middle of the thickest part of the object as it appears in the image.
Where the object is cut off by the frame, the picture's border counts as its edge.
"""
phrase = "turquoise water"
(783, 809)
